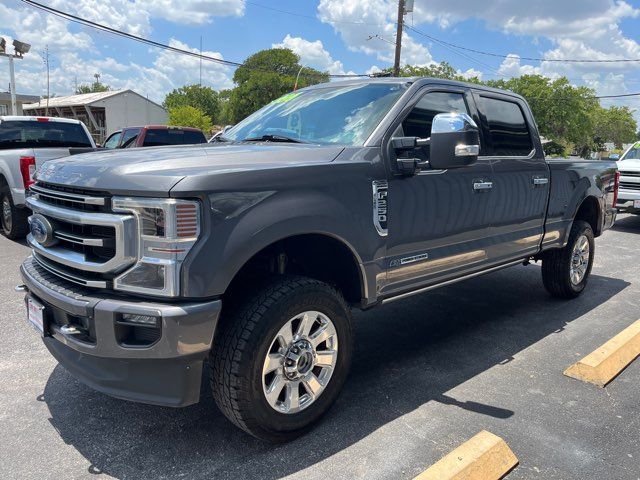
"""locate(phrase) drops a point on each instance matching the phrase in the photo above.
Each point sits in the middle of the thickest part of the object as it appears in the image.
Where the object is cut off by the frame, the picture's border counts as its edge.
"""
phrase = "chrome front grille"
(90, 245)
(630, 185)
(624, 173)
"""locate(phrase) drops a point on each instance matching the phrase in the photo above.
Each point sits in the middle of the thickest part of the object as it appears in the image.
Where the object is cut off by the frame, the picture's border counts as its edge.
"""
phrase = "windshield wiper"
(273, 138)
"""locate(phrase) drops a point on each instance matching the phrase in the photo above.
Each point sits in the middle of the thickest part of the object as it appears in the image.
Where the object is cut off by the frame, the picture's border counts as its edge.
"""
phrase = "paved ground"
(429, 373)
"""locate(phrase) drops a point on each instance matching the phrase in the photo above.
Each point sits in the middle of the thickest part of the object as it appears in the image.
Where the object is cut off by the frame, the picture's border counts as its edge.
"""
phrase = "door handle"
(540, 181)
(482, 186)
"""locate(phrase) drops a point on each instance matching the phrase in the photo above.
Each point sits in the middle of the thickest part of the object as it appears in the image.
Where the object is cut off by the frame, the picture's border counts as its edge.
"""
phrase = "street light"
(20, 49)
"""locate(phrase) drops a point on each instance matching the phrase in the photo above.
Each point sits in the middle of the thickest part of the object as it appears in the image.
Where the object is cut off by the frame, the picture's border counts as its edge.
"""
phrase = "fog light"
(140, 319)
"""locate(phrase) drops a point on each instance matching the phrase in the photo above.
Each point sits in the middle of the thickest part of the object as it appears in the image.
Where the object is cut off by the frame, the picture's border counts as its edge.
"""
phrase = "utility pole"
(200, 60)
(45, 59)
(396, 63)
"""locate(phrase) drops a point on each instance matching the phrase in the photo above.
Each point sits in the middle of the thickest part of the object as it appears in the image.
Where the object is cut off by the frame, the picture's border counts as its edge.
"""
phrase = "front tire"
(13, 220)
(565, 271)
(281, 358)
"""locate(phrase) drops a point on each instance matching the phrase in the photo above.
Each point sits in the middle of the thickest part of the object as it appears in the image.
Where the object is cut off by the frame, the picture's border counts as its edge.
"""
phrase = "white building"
(5, 102)
(102, 112)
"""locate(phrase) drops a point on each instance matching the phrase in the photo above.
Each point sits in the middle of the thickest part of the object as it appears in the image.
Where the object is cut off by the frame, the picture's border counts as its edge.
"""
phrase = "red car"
(154, 136)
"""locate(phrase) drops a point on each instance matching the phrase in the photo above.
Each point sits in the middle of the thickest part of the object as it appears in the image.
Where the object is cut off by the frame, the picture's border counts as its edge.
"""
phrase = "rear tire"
(284, 403)
(565, 271)
(13, 220)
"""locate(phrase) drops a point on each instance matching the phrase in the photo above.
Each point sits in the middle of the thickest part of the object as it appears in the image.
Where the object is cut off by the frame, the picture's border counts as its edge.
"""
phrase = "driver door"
(438, 220)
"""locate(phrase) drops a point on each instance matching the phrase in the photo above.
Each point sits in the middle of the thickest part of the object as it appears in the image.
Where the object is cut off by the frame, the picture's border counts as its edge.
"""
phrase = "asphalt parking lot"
(429, 373)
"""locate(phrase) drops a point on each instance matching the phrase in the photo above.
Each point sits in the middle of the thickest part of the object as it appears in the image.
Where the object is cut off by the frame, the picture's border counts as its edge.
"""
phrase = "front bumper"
(163, 369)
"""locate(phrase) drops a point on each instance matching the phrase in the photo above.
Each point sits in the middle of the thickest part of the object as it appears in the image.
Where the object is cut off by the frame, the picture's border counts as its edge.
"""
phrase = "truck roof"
(24, 118)
(411, 80)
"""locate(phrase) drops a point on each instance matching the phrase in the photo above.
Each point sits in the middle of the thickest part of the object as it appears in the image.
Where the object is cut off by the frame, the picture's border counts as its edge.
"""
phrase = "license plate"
(636, 204)
(35, 315)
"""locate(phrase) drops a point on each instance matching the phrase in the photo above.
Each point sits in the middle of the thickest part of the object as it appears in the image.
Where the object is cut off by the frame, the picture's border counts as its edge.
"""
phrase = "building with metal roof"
(102, 112)
(5, 102)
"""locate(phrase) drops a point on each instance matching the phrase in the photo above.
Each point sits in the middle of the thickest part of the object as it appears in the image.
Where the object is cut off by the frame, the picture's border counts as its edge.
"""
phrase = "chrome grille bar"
(69, 276)
(69, 197)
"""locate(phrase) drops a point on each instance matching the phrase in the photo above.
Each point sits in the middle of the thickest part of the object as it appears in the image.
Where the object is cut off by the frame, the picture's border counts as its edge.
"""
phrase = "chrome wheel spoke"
(326, 358)
(306, 324)
(312, 384)
(288, 379)
(275, 388)
(272, 362)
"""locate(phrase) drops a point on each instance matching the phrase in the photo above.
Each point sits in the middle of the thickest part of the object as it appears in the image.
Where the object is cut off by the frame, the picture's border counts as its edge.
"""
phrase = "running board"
(452, 281)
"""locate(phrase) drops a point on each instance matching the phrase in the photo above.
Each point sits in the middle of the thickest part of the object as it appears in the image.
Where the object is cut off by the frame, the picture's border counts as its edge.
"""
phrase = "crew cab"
(251, 252)
(154, 136)
(629, 194)
(25, 143)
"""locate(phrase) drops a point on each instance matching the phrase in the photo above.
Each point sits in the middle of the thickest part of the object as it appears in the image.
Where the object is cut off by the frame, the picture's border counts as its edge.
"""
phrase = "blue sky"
(327, 34)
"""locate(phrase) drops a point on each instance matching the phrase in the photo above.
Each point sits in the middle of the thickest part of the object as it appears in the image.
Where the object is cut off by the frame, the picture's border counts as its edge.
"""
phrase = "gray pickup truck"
(250, 252)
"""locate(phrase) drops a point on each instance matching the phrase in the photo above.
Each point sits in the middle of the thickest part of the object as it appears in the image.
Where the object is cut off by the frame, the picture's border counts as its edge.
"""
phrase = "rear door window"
(508, 131)
(171, 136)
(34, 134)
(128, 134)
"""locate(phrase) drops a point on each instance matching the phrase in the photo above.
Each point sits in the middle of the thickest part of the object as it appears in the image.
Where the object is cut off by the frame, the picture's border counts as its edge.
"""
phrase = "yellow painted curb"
(605, 363)
(484, 457)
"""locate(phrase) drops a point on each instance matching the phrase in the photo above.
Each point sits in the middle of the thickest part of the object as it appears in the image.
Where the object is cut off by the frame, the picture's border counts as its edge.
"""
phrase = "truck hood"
(157, 169)
(631, 165)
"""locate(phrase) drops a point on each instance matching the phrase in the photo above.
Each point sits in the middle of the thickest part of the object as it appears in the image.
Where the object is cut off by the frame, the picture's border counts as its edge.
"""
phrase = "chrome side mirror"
(454, 141)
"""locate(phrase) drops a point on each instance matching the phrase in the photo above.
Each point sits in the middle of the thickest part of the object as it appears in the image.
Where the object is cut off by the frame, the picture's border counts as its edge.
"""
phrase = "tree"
(265, 76)
(92, 88)
(188, 116)
(615, 125)
(205, 99)
(436, 70)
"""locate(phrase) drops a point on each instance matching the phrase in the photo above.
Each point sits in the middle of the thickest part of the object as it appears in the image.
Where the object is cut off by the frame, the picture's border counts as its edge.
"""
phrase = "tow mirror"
(455, 141)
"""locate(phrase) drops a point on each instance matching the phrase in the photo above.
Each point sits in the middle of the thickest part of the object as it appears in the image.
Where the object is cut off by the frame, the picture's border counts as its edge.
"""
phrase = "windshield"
(30, 134)
(344, 115)
(633, 153)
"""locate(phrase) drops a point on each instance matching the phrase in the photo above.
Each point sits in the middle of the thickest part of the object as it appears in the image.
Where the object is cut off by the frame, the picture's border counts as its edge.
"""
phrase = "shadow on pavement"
(627, 224)
(409, 353)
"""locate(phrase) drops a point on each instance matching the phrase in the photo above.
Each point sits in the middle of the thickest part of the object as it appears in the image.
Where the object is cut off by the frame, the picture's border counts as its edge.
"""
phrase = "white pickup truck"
(629, 192)
(26, 143)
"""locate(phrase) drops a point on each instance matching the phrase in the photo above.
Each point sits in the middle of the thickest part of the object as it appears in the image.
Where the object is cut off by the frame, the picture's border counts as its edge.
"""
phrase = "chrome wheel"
(7, 218)
(579, 260)
(300, 362)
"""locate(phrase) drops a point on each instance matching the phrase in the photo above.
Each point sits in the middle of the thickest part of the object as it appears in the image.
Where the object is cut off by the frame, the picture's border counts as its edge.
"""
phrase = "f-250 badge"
(380, 188)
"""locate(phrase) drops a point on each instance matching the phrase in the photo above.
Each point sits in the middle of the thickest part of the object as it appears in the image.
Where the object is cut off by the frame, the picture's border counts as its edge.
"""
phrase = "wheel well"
(313, 255)
(589, 211)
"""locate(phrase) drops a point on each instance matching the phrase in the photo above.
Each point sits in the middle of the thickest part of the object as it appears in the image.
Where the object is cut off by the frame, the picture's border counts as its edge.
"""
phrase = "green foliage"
(188, 116)
(616, 125)
(436, 70)
(265, 76)
(93, 87)
(205, 99)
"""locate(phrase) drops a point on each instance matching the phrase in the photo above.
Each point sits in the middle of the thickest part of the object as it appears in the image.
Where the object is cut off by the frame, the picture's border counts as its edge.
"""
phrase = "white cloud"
(511, 67)
(312, 54)
(357, 20)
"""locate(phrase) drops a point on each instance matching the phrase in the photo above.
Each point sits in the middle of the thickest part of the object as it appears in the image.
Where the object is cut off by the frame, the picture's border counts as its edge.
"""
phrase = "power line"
(302, 15)
(531, 59)
(153, 43)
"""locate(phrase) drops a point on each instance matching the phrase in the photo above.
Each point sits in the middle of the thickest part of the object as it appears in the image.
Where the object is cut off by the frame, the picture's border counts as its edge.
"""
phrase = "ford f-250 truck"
(25, 144)
(629, 195)
(251, 251)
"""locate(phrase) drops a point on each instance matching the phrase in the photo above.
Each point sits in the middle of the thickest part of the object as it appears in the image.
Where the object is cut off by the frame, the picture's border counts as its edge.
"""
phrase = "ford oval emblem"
(41, 230)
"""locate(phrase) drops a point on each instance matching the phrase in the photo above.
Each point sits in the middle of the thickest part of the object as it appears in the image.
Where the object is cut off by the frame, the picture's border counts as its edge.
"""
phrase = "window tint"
(418, 122)
(128, 134)
(112, 141)
(508, 130)
(30, 134)
(170, 136)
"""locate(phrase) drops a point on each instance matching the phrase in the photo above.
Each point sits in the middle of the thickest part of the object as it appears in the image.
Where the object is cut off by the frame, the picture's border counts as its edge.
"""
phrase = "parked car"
(251, 252)
(154, 136)
(25, 143)
(629, 194)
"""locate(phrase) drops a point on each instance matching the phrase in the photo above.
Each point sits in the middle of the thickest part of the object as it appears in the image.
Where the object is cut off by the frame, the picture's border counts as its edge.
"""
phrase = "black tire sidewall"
(312, 297)
(5, 194)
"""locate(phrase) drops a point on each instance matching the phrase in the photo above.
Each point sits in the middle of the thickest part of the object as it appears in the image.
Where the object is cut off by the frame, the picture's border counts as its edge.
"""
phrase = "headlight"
(167, 230)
